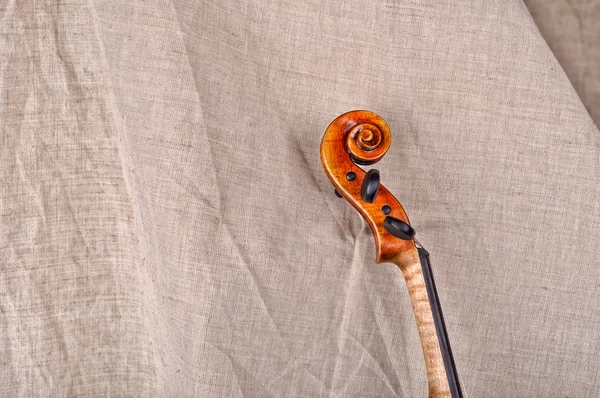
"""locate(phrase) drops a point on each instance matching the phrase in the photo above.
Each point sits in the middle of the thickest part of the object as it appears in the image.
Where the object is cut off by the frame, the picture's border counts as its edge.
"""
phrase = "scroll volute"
(362, 138)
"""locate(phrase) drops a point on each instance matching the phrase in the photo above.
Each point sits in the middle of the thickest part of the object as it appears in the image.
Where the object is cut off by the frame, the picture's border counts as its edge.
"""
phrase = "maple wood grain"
(410, 265)
(362, 138)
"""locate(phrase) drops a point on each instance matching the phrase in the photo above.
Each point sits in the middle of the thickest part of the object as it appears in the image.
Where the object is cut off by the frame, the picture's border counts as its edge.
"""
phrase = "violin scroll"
(362, 138)
(368, 142)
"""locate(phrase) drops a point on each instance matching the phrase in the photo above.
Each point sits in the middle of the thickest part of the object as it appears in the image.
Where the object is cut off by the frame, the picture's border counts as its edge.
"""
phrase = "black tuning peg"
(398, 228)
(370, 186)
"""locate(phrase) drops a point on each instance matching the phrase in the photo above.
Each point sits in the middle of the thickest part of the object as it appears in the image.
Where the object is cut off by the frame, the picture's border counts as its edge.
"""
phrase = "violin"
(362, 138)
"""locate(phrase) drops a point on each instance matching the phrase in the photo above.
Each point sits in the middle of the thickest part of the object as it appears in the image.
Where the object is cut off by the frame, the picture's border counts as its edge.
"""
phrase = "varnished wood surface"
(342, 139)
(364, 137)
(410, 265)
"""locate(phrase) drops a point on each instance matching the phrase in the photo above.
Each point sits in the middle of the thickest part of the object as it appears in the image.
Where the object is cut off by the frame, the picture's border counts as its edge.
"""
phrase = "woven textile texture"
(167, 230)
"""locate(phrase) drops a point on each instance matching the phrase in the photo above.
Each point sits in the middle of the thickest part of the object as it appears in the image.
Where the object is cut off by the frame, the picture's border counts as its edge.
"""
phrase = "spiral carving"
(367, 142)
(353, 140)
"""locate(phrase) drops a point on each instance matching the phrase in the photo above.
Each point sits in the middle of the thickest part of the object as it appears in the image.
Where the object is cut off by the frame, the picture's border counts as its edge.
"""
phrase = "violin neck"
(442, 378)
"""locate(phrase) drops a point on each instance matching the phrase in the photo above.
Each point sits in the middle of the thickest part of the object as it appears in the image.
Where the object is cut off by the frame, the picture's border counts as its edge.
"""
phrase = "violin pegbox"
(362, 138)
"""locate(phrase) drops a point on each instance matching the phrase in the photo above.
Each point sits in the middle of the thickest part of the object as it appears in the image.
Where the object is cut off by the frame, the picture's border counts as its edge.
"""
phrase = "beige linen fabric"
(166, 228)
(572, 31)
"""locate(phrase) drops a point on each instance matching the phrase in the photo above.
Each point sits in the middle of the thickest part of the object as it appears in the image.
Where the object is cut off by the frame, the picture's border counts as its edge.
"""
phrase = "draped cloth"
(166, 228)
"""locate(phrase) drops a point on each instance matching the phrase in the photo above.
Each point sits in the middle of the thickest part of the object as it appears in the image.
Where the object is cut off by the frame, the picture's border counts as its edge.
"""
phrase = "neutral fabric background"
(166, 228)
